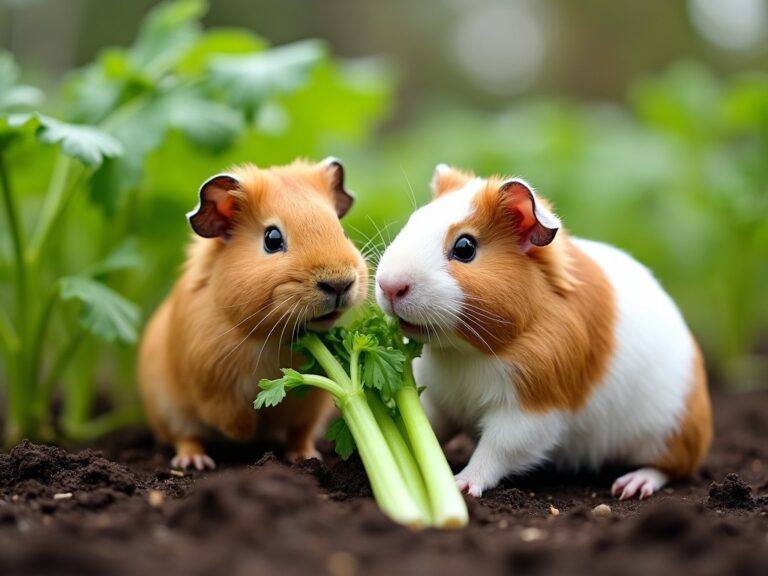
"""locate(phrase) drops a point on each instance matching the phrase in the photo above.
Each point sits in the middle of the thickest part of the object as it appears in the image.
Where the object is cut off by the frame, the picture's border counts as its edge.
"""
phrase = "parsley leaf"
(339, 433)
(272, 392)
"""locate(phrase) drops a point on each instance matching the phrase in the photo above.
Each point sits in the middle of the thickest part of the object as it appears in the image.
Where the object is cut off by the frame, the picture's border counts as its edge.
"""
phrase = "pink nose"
(394, 289)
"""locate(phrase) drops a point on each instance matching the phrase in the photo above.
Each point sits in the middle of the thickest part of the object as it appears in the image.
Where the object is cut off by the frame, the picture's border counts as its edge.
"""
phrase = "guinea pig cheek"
(486, 317)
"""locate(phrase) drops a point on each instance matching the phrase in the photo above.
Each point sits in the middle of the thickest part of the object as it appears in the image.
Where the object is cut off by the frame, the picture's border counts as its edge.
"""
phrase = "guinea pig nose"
(394, 289)
(337, 287)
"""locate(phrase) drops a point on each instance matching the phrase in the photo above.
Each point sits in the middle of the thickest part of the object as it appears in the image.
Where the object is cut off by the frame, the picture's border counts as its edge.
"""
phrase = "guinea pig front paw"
(198, 461)
(308, 453)
(191, 454)
(642, 483)
(468, 485)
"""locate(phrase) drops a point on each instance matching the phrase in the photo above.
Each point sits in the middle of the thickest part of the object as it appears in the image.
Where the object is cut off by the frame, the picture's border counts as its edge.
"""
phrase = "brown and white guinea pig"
(270, 257)
(543, 346)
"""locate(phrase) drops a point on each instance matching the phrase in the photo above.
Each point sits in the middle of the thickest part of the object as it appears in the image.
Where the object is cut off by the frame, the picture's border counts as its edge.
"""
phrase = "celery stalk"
(409, 469)
(446, 502)
(390, 488)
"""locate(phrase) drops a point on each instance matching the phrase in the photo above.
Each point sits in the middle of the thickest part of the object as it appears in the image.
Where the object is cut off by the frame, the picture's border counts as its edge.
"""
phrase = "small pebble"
(532, 534)
(602, 511)
(503, 524)
(156, 498)
(341, 564)
(554, 511)
(62, 496)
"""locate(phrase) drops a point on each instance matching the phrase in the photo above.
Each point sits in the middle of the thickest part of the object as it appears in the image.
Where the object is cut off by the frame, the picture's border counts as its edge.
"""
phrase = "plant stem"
(17, 240)
(448, 507)
(323, 383)
(52, 205)
(325, 358)
(387, 483)
(17, 421)
(406, 463)
(8, 336)
(65, 355)
(38, 336)
(104, 424)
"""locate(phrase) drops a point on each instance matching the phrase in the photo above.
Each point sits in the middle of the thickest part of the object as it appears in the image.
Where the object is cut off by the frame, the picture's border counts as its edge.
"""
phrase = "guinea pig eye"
(273, 240)
(464, 249)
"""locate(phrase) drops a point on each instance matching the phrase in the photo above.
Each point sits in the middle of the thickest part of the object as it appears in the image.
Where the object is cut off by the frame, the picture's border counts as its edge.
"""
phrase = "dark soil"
(120, 511)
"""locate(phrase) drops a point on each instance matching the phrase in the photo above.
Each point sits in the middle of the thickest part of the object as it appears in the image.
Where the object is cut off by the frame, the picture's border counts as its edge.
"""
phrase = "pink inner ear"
(225, 205)
(520, 208)
(536, 226)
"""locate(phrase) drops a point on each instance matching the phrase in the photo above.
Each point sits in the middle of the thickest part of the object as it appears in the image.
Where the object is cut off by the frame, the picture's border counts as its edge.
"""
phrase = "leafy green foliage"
(382, 366)
(250, 80)
(343, 442)
(170, 30)
(125, 256)
(146, 123)
(15, 97)
(105, 313)
(272, 392)
(86, 143)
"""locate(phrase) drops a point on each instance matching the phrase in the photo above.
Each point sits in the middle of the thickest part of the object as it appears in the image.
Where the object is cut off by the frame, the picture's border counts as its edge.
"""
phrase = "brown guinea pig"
(270, 258)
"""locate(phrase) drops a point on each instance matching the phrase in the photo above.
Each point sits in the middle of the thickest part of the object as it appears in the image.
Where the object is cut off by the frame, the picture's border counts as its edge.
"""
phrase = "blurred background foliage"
(645, 123)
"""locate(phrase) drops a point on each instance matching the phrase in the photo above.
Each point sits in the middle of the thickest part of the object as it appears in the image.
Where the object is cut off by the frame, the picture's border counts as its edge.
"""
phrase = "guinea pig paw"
(295, 456)
(197, 461)
(469, 487)
(642, 483)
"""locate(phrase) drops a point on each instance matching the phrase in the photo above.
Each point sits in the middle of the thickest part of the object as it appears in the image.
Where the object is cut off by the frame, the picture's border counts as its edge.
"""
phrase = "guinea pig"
(542, 346)
(270, 258)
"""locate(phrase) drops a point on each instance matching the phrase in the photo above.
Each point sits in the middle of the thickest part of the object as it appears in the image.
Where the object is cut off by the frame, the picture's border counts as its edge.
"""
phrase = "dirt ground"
(117, 509)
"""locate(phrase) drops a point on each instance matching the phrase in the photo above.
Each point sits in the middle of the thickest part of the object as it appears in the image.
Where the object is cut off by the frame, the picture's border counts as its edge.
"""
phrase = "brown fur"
(227, 322)
(687, 448)
(550, 311)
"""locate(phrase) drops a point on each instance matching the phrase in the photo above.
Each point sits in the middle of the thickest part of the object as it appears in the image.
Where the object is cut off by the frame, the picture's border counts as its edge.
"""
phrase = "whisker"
(242, 321)
(266, 339)
(274, 309)
(285, 325)
(410, 187)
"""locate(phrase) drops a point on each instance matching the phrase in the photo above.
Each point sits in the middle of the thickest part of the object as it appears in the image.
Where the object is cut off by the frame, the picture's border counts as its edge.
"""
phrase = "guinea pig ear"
(537, 225)
(446, 179)
(342, 198)
(213, 215)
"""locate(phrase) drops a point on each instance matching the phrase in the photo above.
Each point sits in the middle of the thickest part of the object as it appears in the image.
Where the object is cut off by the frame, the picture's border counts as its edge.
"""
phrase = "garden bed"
(117, 509)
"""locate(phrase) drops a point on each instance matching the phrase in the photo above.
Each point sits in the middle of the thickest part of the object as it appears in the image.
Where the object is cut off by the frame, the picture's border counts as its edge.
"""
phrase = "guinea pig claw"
(181, 462)
(203, 462)
(198, 461)
(641, 483)
(469, 488)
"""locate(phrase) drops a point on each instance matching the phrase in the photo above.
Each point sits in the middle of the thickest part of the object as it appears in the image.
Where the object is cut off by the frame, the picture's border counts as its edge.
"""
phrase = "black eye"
(464, 249)
(273, 240)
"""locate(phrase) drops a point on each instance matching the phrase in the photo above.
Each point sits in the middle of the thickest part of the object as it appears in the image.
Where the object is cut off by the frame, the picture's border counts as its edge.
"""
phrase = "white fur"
(419, 259)
(636, 406)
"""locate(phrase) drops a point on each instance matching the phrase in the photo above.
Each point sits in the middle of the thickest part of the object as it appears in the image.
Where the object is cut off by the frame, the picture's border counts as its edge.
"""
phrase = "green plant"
(381, 415)
(144, 125)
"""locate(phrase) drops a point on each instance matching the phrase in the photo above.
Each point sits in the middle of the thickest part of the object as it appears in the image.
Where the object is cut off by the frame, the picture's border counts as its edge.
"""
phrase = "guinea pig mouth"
(325, 321)
(412, 330)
